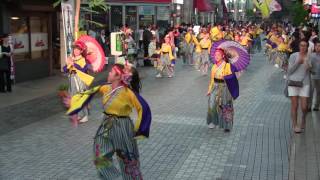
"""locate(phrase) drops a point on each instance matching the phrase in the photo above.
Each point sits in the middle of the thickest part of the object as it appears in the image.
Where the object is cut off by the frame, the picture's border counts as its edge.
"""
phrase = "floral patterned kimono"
(117, 133)
(224, 89)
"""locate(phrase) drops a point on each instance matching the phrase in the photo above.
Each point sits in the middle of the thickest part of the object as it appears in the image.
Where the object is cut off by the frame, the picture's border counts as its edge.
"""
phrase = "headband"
(125, 76)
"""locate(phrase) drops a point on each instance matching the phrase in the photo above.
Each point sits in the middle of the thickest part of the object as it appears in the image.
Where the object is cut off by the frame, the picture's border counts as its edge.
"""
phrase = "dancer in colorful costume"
(216, 33)
(117, 133)
(223, 89)
(281, 56)
(189, 45)
(166, 58)
(205, 45)
(79, 80)
(196, 53)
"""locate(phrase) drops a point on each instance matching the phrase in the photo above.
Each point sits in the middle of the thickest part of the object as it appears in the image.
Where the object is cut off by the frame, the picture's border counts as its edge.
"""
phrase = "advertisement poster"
(116, 43)
(39, 41)
(20, 43)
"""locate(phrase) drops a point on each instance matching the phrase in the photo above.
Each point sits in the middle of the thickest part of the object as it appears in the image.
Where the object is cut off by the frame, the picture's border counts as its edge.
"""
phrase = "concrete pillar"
(187, 11)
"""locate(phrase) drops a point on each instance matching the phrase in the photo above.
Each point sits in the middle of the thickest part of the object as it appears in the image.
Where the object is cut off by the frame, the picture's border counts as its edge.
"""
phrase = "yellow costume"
(283, 47)
(166, 48)
(122, 104)
(197, 44)
(219, 73)
(216, 34)
(205, 44)
(78, 65)
(245, 40)
(188, 37)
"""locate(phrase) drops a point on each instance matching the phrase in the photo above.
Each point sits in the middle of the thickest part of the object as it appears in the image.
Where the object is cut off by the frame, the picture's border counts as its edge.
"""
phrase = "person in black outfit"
(147, 36)
(5, 64)
(102, 40)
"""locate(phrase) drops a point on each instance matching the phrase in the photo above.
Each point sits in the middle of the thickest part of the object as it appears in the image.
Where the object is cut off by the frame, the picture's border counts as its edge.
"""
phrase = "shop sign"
(146, 10)
(20, 43)
(178, 1)
(163, 13)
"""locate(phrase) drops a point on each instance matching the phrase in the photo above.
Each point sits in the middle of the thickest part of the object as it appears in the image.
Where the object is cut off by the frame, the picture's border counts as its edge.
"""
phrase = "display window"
(29, 37)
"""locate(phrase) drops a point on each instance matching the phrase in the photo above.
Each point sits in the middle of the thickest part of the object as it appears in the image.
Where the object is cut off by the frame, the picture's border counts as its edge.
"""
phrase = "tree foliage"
(93, 6)
(298, 13)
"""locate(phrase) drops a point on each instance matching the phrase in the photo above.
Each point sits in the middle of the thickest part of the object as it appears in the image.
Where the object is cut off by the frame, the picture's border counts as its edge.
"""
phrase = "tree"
(298, 13)
(94, 6)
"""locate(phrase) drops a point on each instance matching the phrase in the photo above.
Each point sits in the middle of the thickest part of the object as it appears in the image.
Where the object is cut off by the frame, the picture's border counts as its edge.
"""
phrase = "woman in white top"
(299, 84)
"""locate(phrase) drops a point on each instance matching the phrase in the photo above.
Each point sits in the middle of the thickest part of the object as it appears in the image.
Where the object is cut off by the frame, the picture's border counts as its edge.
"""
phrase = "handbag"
(295, 83)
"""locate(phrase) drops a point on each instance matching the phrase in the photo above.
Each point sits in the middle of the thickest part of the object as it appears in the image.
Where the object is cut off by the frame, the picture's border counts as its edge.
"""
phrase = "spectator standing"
(147, 36)
(315, 76)
(299, 84)
(140, 31)
(5, 64)
(102, 40)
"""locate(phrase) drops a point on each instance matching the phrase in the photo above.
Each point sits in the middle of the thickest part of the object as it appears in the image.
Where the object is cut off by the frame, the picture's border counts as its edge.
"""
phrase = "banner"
(266, 7)
(67, 10)
(274, 6)
(12, 68)
(263, 6)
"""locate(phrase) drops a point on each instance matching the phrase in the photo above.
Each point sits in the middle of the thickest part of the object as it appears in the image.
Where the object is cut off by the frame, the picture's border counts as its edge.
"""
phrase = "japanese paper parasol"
(95, 54)
(237, 54)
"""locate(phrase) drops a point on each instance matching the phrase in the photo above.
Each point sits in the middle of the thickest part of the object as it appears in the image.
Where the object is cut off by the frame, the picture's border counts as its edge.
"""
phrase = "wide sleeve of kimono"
(187, 37)
(81, 100)
(211, 83)
(143, 122)
(231, 80)
(81, 65)
(209, 48)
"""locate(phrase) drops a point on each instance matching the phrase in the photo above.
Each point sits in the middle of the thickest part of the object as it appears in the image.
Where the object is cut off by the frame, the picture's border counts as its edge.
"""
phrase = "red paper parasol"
(95, 54)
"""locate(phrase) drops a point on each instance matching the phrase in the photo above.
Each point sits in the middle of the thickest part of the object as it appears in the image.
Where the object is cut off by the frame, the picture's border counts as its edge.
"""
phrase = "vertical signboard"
(67, 9)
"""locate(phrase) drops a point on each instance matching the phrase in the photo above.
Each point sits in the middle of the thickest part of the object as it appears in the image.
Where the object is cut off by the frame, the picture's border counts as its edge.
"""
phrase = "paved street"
(42, 144)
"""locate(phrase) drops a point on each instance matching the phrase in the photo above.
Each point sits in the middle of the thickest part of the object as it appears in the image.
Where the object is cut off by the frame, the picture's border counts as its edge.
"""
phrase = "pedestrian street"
(180, 146)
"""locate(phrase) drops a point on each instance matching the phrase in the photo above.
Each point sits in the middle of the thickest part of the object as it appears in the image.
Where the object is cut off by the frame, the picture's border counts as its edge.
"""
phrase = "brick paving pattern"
(180, 146)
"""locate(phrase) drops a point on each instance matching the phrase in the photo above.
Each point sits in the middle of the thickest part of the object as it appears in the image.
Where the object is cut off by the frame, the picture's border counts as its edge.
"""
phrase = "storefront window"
(20, 37)
(131, 17)
(146, 15)
(39, 37)
(163, 18)
(29, 37)
(116, 18)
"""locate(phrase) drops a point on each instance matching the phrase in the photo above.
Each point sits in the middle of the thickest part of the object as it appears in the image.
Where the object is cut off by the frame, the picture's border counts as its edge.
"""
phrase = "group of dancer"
(195, 46)
(117, 133)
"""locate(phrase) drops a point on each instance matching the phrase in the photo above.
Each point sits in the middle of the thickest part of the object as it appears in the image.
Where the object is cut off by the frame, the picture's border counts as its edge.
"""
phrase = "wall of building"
(30, 27)
(4, 19)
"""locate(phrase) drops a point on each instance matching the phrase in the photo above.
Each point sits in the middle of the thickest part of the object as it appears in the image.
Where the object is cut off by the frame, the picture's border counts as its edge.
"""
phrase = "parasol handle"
(76, 20)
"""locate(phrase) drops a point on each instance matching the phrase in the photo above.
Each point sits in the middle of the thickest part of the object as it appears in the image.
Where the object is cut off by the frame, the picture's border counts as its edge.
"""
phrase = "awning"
(142, 1)
(202, 5)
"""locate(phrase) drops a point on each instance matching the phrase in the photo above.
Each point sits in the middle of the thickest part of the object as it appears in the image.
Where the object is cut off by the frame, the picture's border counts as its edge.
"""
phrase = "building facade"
(30, 25)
